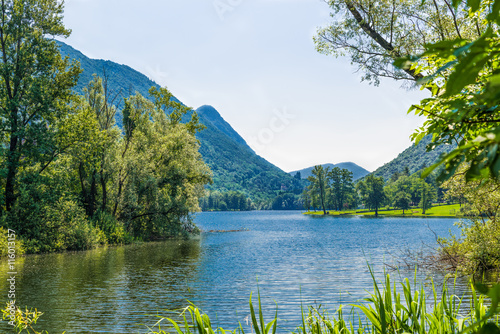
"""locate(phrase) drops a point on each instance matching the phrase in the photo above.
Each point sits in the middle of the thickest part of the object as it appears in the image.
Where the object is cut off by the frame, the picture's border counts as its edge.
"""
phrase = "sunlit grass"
(452, 210)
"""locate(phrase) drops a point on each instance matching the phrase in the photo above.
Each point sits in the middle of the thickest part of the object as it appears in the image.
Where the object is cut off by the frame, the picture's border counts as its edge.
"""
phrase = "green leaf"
(495, 12)
(482, 288)
(254, 318)
(473, 4)
(405, 63)
(466, 73)
(489, 328)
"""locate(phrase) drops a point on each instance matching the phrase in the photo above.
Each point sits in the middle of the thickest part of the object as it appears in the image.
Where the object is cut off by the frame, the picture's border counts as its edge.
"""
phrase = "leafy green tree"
(402, 201)
(162, 173)
(306, 200)
(35, 87)
(319, 185)
(402, 187)
(340, 182)
(428, 196)
(48, 212)
(373, 33)
(462, 75)
(94, 165)
(451, 48)
(372, 191)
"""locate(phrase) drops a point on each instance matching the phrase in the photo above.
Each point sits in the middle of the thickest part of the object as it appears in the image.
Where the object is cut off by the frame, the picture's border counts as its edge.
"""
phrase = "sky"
(255, 62)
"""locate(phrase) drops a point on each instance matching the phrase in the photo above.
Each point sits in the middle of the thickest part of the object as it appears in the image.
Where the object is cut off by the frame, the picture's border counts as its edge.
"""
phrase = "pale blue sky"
(255, 62)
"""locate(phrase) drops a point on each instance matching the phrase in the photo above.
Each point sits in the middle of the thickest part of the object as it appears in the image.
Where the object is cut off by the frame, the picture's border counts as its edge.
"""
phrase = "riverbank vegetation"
(71, 179)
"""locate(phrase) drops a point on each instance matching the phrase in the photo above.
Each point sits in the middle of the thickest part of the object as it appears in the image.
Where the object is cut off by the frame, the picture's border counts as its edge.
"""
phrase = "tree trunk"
(378, 38)
(104, 194)
(92, 195)
(12, 164)
(104, 188)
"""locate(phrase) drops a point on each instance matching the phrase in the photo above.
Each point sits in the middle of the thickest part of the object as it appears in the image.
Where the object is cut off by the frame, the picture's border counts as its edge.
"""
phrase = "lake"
(291, 257)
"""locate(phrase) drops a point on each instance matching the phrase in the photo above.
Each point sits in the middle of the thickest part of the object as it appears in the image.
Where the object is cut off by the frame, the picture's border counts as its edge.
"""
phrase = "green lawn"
(452, 210)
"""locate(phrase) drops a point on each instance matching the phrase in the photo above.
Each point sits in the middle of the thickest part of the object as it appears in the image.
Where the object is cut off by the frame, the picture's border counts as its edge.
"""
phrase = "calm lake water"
(295, 258)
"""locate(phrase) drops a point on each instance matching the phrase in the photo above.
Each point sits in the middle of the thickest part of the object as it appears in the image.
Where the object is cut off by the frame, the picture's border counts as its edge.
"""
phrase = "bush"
(69, 221)
(114, 230)
(4, 244)
(58, 227)
(478, 248)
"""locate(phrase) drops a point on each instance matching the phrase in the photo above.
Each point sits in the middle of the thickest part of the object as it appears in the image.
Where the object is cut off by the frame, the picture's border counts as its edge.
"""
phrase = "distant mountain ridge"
(234, 164)
(357, 171)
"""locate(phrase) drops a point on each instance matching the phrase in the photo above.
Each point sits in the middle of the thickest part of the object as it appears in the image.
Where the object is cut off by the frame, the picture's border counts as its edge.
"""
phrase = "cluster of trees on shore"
(70, 178)
(335, 190)
(330, 189)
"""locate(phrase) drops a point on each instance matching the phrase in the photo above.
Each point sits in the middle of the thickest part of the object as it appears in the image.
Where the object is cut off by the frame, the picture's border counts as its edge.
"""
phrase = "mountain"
(123, 79)
(213, 116)
(357, 171)
(234, 165)
(414, 157)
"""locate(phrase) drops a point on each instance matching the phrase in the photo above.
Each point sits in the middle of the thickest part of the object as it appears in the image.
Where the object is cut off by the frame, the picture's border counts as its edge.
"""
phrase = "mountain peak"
(209, 113)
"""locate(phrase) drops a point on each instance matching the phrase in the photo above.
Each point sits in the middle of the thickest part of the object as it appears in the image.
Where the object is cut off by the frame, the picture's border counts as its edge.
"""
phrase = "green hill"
(234, 164)
(414, 157)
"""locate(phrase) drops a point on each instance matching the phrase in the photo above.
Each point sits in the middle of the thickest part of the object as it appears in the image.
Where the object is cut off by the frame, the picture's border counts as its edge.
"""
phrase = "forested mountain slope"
(414, 157)
(234, 164)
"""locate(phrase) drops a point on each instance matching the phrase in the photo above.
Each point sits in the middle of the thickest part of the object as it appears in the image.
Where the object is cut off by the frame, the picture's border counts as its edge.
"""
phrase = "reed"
(390, 309)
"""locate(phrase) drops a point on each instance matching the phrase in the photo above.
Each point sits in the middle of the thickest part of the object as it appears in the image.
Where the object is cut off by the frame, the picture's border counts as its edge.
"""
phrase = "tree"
(372, 191)
(374, 33)
(94, 167)
(161, 175)
(402, 201)
(340, 182)
(463, 75)
(306, 200)
(451, 48)
(319, 185)
(35, 87)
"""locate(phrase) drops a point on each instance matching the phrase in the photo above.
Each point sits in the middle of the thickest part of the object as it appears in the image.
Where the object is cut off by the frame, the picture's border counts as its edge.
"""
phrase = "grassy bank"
(452, 210)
